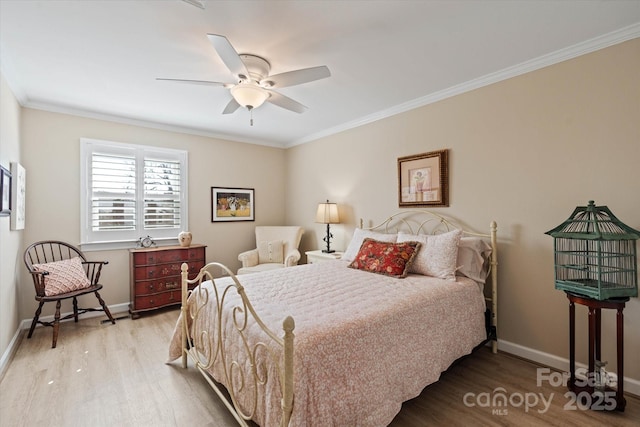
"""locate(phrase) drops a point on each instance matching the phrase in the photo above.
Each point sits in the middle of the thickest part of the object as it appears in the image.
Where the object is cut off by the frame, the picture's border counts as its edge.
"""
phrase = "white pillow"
(358, 237)
(473, 258)
(272, 251)
(64, 276)
(437, 256)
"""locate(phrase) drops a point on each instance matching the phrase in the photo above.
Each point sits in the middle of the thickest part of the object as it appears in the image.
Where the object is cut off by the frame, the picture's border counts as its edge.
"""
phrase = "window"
(131, 191)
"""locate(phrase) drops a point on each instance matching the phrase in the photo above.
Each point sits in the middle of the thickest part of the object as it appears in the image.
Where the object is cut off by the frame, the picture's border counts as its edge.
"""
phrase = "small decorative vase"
(185, 238)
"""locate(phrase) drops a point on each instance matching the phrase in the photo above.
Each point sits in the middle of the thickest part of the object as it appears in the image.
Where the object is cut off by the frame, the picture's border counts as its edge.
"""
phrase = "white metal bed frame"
(204, 351)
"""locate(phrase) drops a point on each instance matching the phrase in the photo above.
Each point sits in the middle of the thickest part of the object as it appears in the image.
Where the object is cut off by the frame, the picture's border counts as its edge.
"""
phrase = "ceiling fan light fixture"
(249, 95)
(253, 83)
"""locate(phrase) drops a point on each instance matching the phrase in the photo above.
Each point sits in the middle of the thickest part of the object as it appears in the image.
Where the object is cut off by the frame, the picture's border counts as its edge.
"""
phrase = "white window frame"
(106, 240)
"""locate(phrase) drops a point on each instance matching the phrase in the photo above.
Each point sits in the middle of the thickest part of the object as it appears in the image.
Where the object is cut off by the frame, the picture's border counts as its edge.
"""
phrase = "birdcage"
(595, 254)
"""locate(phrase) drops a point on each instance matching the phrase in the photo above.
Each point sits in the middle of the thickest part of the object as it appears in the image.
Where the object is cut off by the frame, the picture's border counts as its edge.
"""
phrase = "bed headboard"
(420, 222)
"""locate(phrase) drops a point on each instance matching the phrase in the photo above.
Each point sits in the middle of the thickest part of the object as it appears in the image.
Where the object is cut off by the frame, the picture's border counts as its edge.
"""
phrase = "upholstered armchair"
(276, 247)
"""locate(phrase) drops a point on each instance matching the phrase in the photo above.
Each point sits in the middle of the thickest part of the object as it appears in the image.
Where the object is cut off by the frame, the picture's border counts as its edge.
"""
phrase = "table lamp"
(327, 214)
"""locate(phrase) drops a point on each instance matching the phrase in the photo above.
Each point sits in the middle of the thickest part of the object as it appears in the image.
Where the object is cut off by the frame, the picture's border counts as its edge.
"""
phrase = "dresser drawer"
(195, 253)
(157, 257)
(194, 268)
(160, 257)
(143, 287)
(147, 287)
(166, 270)
(158, 271)
(146, 302)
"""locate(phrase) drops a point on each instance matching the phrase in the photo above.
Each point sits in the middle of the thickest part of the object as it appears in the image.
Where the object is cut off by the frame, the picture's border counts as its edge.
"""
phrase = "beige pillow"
(474, 258)
(64, 276)
(438, 255)
(272, 251)
(358, 237)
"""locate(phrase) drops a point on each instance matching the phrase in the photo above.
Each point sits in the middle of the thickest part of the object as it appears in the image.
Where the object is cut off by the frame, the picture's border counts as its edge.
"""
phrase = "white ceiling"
(101, 58)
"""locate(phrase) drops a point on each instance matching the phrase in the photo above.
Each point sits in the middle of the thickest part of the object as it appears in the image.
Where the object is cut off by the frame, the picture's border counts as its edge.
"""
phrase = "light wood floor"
(115, 375)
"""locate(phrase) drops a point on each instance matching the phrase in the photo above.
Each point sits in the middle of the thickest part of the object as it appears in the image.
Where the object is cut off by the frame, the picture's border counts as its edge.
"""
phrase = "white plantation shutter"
(113, 192)
(161, 194)
(131, 191)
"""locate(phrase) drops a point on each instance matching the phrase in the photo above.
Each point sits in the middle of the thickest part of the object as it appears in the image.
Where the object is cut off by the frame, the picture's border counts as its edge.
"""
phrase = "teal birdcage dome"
(595, 254)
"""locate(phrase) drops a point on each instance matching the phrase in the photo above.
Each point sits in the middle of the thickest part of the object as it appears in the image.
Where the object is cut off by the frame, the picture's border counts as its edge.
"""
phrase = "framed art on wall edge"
(423, 180)
(18, 194)
(5, 192)
(232, 204)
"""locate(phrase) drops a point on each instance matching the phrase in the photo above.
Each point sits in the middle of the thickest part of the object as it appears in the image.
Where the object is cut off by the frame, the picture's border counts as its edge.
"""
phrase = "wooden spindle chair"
(37, 257)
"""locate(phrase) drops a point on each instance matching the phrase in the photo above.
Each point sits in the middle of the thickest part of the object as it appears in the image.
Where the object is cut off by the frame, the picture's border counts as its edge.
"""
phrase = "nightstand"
(314, 257)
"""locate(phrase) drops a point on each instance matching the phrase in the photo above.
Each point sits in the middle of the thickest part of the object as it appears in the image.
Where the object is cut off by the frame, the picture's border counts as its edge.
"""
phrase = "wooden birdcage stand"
(595, 306)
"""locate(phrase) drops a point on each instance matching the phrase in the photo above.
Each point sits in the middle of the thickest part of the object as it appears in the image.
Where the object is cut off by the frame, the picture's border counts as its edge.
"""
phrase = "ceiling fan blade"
(231, 107)
(196, 3)
(292, 78)
(196, 82)
(229, 56)
(285, 102)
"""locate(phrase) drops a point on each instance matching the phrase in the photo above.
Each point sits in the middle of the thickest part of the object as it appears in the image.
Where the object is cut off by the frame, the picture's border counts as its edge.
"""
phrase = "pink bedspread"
(364, 342)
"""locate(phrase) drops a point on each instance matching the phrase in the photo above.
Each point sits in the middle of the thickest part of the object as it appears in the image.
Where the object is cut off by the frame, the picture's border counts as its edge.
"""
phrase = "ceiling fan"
(253, 85)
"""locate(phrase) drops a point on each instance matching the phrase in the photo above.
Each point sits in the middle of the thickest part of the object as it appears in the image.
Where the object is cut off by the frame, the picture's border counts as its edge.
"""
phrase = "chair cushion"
(271, 251)
(64, 276)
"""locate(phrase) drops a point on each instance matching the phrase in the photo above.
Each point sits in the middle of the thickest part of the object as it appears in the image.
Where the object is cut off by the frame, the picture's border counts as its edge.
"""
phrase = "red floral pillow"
(391, 259)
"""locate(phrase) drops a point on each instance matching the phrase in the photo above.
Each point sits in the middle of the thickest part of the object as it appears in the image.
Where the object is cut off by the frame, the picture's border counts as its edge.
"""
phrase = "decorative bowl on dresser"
(155, 275)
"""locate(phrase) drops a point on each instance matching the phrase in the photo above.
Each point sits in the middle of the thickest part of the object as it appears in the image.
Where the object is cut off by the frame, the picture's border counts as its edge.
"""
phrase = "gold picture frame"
(423, 180)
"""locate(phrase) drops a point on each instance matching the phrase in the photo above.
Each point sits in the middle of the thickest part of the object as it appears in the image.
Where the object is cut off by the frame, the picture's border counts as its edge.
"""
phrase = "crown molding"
(61, 109)
(622, 35)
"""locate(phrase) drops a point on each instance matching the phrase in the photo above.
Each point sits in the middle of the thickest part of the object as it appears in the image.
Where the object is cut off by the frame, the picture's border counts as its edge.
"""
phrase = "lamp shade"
(327, 213)
(249, 95)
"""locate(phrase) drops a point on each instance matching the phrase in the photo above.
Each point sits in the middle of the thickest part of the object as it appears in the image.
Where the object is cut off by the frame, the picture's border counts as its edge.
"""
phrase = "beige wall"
(9, 240)
(523, 152)
(51, 141)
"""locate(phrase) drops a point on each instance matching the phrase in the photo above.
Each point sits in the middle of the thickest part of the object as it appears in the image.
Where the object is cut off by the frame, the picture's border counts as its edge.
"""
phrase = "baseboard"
(11, 349)
(631, 385)
(26, 324)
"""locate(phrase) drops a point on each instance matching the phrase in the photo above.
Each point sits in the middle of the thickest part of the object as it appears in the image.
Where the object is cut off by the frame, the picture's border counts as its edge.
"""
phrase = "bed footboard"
(209, 353)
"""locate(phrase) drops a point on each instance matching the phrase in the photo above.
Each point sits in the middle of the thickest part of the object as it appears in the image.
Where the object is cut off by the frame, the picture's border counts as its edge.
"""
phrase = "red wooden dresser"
(155, 275)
